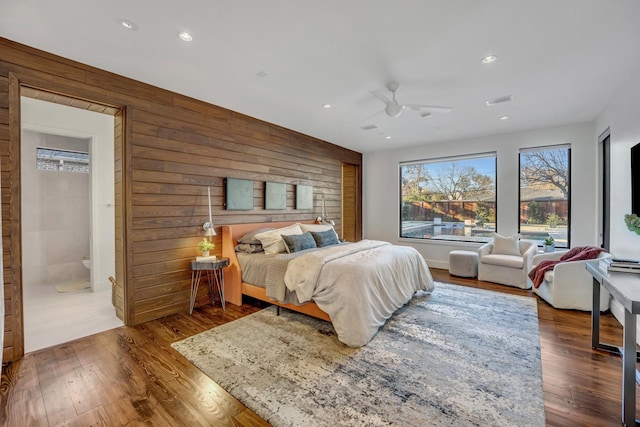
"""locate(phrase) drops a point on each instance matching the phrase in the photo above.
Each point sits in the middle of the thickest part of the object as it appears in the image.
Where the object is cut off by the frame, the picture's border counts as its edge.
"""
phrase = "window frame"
(566, 146)
(75, 157)
(493, 155)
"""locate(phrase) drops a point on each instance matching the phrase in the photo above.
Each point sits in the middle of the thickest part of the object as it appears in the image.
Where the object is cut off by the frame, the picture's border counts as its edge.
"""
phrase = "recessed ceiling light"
(327, 106)
(387, 137)
(504, 118)
(489, 59)
(185, 37)
(128, 25)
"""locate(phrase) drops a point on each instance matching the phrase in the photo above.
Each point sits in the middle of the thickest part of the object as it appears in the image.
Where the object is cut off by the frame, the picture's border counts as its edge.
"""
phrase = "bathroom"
(68, 235)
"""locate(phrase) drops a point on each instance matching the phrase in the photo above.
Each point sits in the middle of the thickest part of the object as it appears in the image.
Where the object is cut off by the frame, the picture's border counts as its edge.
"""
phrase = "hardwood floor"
(131, 376)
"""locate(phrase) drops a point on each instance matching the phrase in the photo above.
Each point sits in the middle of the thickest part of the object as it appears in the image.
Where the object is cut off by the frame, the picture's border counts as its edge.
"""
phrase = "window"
(545, 194)
(54, 159)
(449, 199)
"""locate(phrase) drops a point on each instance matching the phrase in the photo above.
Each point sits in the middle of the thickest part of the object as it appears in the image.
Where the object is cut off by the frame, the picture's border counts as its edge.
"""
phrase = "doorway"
(604, 142)
(351, 218)
(67, 174)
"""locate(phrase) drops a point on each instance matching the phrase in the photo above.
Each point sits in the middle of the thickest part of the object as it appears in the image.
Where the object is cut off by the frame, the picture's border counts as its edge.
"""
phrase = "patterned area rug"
(74, 285)
(461, 356)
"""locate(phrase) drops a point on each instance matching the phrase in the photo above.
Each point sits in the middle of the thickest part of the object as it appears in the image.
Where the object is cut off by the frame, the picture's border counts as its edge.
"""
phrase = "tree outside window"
(545, 194)
(449, 199)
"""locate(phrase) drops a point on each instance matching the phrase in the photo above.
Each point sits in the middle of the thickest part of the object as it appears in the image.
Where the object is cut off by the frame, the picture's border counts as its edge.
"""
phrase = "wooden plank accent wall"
(5, 190)
(172, 147)
(119, 203)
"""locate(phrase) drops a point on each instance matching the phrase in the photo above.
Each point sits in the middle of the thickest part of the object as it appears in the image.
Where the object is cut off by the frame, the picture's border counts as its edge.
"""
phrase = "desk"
(624, 288)
(215, 279)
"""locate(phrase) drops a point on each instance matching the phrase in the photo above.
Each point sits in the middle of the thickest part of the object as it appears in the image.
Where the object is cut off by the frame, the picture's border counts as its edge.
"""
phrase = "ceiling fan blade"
(382, 97)
(428, 108)
(371, 117)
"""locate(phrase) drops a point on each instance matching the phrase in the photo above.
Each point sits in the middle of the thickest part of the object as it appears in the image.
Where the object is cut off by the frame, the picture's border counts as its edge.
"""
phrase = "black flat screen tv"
(635, 179)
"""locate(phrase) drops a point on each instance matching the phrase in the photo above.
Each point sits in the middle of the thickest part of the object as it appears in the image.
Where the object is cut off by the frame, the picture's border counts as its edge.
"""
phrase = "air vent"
(500, 100)
(369, 127)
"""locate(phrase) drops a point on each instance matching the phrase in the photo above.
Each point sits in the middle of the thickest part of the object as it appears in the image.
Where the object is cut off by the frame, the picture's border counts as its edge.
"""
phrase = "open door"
(351, 216)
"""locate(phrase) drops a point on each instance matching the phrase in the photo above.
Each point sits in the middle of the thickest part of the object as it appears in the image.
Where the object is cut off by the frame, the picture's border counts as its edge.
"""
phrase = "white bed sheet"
(359, 285)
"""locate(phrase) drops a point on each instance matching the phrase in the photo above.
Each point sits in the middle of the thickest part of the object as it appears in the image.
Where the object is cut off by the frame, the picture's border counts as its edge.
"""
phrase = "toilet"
(86, 261)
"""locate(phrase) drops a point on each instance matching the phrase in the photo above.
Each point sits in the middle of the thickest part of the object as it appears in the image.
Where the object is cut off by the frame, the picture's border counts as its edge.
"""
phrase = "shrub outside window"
(545, 194)
(449, 199)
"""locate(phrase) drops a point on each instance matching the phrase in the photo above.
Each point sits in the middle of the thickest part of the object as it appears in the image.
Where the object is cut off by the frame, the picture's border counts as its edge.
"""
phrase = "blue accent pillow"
(325, 238)
(299, 242)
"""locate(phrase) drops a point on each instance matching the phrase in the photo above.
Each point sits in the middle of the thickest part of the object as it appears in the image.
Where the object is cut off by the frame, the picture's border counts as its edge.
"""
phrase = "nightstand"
(215, 279)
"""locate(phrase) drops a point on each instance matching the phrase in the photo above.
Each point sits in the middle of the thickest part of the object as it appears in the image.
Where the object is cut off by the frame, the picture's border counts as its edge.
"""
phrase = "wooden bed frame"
(234, 288)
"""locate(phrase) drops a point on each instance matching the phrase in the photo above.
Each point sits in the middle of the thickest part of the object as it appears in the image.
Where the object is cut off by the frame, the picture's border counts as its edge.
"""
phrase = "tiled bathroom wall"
(55, 214)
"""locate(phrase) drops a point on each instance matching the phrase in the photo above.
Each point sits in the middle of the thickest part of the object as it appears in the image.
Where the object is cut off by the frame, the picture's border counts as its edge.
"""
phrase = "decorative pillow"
(325, 238)
(298, 242)
(503, 245)
(250, 237)
(249, 248)
(272, 242)
(317, 228)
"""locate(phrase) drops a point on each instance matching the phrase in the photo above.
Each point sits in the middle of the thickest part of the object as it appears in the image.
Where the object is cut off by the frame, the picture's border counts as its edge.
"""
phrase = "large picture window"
(449, 199)
(545, 194)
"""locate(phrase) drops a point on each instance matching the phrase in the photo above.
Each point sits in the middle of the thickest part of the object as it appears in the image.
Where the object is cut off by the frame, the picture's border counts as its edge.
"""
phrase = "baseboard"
(438, 264)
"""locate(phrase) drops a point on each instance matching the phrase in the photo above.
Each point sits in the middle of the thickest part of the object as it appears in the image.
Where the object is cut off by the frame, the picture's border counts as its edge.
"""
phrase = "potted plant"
(633, 222)
(549, 244)
(205, 246)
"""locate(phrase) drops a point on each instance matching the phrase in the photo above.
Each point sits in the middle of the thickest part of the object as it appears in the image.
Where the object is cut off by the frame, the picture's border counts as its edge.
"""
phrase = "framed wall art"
(275, 195)
(238, 194)
(304, 197)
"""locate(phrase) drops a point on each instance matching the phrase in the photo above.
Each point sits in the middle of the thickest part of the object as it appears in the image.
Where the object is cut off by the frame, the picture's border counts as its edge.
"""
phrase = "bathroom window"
(53, 159)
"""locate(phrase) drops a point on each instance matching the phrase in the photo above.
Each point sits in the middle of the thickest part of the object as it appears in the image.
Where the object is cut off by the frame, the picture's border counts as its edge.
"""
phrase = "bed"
(331, 283)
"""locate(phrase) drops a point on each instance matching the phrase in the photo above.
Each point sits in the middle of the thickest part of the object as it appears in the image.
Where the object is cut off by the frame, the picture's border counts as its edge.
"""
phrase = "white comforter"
(359, 285)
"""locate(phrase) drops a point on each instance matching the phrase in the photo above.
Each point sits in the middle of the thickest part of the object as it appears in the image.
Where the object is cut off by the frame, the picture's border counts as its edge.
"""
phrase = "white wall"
(622, 116)
(55, 213)
(61, 120)
(381, 189)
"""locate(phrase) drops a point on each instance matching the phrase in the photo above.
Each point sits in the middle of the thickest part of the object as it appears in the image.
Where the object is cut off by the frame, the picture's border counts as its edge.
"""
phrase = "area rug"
(460, 356)
(74, 285)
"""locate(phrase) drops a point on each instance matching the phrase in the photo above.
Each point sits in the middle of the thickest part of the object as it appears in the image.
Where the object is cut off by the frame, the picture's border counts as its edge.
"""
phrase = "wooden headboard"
(233, 273)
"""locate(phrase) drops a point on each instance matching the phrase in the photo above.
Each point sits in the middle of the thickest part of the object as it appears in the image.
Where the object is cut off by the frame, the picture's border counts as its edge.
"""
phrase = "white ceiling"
(561, 60)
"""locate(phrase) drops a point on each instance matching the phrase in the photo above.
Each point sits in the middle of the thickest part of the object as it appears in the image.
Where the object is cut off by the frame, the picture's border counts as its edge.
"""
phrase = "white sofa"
(510, 270)
(569, 285)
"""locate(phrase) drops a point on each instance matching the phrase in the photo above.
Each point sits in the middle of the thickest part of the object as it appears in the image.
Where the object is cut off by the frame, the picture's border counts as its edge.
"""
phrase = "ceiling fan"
(393, 109)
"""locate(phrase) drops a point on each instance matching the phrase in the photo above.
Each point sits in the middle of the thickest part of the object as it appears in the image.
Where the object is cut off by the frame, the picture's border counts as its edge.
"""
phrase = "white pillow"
(317, 228)
(506, 245)
(272, 242)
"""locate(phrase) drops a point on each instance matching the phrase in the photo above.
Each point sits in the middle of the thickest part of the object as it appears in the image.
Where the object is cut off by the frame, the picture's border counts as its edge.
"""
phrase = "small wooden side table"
(215, 279)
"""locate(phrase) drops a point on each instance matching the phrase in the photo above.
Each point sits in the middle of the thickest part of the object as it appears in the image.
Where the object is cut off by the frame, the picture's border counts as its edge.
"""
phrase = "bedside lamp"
(324, 219)
(209, 230)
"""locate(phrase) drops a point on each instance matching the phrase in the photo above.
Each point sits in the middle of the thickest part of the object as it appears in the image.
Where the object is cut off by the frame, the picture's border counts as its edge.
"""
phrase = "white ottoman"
(463, 263)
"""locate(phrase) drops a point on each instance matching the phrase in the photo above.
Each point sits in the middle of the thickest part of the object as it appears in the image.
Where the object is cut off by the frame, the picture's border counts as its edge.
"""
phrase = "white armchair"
(510, 270)
(569, 285)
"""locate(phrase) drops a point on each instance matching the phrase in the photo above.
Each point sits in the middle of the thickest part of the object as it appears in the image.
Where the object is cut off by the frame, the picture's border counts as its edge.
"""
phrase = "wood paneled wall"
(170, 149)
